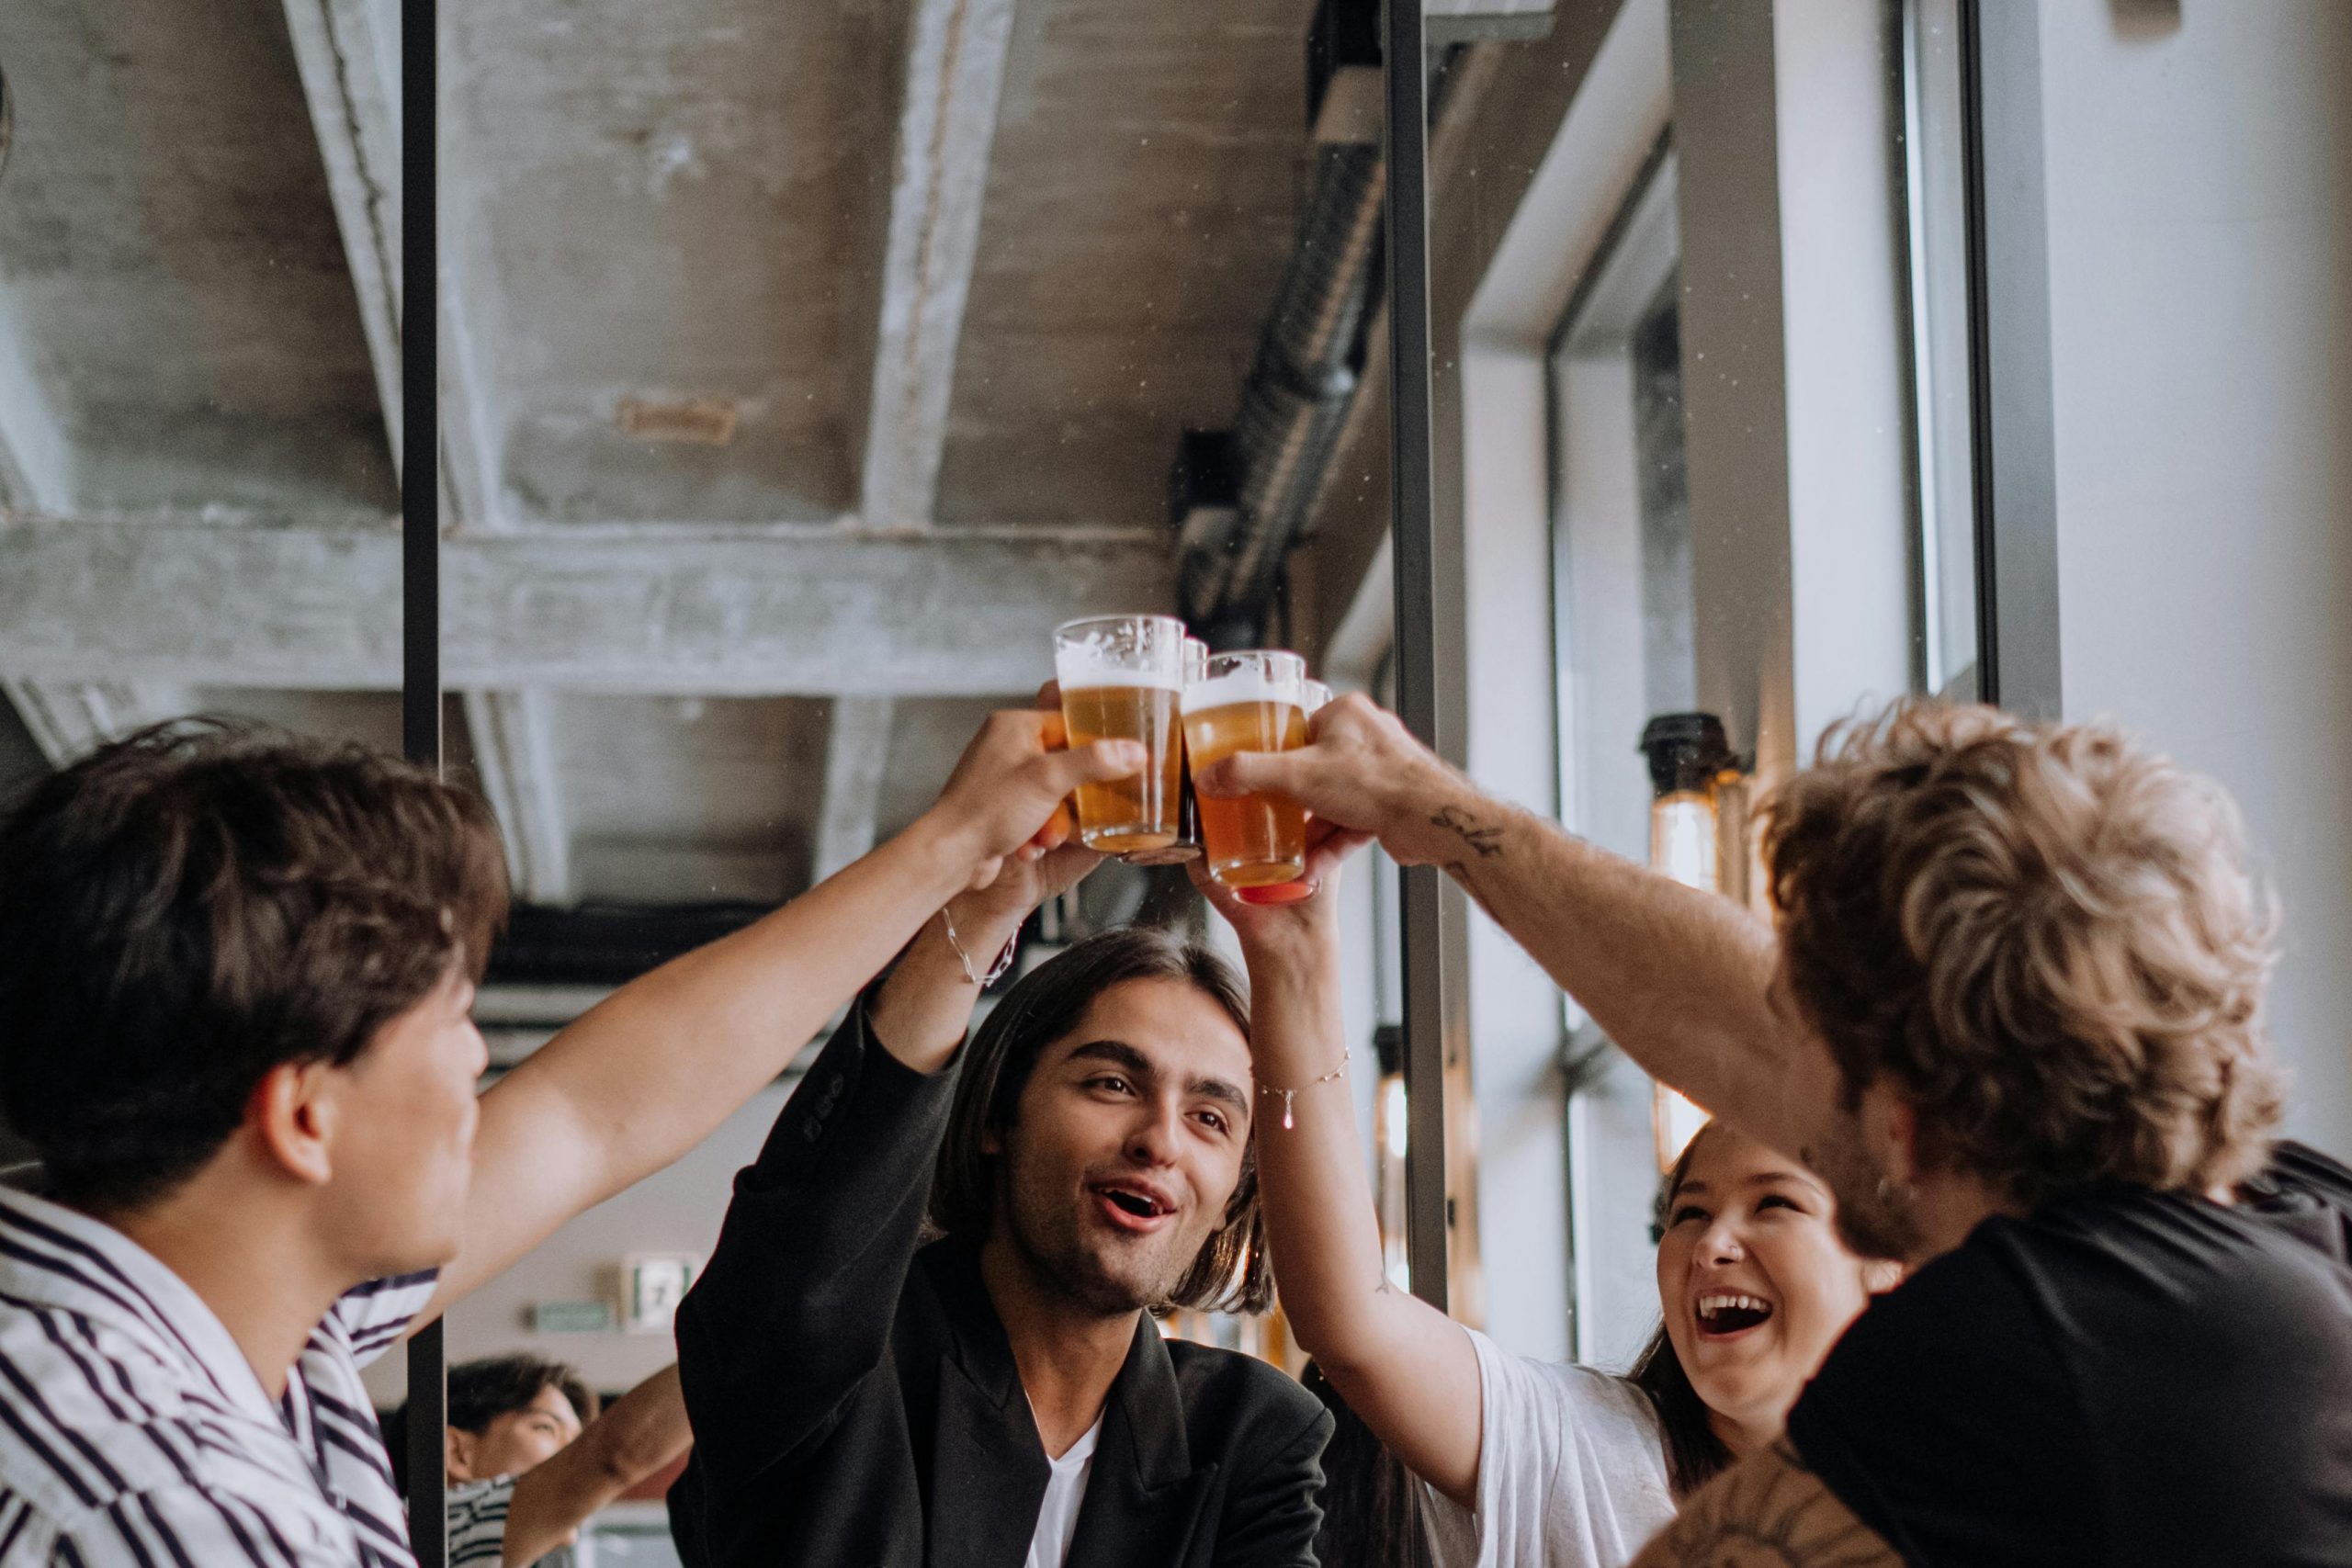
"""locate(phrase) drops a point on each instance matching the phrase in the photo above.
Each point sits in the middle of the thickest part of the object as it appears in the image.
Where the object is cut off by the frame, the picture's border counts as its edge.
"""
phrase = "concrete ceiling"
(803, 364)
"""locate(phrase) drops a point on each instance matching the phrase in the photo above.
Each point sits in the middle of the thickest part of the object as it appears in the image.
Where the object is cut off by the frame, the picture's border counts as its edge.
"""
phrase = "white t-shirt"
(1065, 1491)
(1571, 1470)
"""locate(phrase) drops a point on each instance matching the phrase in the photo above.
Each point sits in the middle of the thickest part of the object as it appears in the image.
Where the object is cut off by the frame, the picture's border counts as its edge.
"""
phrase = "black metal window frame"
(421, 624)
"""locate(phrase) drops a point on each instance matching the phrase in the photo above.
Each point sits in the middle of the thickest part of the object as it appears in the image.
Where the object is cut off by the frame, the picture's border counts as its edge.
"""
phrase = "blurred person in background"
(2009, 1010)
(530, 1457)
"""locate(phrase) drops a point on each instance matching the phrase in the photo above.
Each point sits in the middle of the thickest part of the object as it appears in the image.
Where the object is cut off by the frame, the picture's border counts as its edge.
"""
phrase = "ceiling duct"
(1241, 500)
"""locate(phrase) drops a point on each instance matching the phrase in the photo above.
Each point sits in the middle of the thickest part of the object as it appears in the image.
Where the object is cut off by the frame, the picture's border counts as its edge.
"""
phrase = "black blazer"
(855, 1401)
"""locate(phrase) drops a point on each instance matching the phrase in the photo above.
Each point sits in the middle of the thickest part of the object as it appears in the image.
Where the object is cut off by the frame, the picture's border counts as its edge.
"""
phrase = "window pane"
(1936, 175)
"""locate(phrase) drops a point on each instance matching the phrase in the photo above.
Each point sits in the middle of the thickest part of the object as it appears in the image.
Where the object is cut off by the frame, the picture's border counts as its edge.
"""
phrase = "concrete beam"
(65, 718)
(355, 107)
(855, 758)
(764, 610)
(515, 758)
(69, 719)
(348, 51)
(955, 76)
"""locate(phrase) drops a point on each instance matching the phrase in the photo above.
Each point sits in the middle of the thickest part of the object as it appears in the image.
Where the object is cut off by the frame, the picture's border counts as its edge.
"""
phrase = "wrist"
(1440, 818)
(1285, 951)
(952, 843)
(982, 926)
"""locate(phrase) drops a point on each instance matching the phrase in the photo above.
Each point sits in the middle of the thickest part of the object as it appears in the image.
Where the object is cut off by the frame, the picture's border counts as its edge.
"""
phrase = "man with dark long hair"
(236, 979)
(1001, 1396)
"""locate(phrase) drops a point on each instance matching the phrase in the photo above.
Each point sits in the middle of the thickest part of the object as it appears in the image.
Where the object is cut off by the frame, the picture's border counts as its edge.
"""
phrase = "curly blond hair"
(2044, 937)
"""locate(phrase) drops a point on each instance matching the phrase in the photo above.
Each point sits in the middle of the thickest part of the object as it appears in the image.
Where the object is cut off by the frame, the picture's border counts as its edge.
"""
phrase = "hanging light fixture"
(1694, 777)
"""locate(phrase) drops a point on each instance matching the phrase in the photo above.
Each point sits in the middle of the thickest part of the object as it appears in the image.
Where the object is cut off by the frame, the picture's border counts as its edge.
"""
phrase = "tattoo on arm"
(1768, 1511)
(1486, 841)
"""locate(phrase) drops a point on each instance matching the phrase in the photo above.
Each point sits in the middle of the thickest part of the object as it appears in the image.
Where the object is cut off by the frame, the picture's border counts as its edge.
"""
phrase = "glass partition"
(802, 367)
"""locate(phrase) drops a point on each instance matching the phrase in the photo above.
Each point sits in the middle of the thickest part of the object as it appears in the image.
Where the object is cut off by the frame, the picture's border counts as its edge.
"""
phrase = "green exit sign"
(572, 1317)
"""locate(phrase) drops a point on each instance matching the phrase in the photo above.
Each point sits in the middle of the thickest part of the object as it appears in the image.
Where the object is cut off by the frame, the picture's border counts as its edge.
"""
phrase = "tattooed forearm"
(1768, 1511)
(1485, 840)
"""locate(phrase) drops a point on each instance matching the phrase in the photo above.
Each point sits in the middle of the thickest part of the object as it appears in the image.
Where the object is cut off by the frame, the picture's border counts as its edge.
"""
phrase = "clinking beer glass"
(1248, 702)
(1122, 679)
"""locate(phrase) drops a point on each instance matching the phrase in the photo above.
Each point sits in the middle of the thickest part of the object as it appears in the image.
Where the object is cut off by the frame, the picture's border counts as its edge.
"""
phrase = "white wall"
(677, 1210)
(1517, 1025)
(2199, 184)
(1792, 321)
(1844, 319)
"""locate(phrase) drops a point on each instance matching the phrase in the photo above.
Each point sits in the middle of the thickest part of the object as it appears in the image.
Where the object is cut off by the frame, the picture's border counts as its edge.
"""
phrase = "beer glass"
(1318, 694)
(1249, 702)
(1186, 846)
(1122, 679)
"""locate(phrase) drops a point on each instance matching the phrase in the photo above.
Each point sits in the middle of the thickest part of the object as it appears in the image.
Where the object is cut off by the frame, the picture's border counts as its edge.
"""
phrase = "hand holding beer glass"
(1122, 678)
(1248, 702)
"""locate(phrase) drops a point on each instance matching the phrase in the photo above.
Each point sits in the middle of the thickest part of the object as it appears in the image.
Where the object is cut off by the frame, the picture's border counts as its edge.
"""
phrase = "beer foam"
(1079, 671)
(1241, 686)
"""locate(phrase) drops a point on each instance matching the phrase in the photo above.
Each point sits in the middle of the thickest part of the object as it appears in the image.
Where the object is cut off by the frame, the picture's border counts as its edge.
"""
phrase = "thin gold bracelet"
(1347, 1053)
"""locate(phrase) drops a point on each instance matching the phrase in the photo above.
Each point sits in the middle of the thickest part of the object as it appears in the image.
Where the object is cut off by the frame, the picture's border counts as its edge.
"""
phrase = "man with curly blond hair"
(2010, 1010)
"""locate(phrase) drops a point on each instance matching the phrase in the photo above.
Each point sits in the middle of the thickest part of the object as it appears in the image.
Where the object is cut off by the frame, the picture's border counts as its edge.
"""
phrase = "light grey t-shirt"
(1571, 1470)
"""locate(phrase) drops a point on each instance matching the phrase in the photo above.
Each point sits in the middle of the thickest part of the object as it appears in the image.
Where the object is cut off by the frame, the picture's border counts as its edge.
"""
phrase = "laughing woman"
(1526, 1463)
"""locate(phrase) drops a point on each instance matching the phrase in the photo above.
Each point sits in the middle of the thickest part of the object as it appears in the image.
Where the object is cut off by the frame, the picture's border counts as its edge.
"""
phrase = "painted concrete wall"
(2200, 181)
(677, 1210)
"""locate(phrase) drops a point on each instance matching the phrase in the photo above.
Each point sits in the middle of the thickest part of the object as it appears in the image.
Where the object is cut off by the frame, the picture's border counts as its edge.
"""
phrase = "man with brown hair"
(1001, 1396)
(2011, 1012)
(235, 982)
(530, 1457)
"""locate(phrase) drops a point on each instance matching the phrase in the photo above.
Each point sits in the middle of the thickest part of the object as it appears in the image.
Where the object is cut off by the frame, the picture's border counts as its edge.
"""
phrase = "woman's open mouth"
(1724, 1314)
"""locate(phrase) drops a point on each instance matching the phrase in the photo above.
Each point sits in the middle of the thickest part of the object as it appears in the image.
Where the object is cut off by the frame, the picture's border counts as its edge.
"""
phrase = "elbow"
(632, 1460)
(1345, 1356)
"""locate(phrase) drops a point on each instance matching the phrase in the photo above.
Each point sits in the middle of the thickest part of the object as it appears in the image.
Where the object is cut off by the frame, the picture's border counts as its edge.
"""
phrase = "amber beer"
(1122, 679)
(1186, 846)
(1249, 702)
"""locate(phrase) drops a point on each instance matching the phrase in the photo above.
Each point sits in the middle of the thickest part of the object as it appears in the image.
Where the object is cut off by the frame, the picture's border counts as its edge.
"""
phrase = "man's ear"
(1898, 1136)
(458, 1453)
(293, 1112)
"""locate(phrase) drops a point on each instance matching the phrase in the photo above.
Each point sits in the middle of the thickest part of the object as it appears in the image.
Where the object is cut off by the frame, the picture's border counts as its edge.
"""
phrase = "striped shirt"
(477, 1511)
(134, 1434)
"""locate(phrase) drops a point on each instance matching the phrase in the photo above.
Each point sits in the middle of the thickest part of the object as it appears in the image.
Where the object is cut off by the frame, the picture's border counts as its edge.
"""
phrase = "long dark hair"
(1694, 1455)
(1230, 1274)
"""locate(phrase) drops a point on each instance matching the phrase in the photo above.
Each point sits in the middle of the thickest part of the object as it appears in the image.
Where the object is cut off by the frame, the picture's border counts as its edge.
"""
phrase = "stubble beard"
(1876, 1216)
(1049, 1234)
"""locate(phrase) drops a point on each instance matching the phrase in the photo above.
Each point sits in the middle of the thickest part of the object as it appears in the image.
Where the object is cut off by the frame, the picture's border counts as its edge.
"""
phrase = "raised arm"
(641, 1432)
(794, 1311)
(652, 1070)
(1681, 979)
(1406, 1369)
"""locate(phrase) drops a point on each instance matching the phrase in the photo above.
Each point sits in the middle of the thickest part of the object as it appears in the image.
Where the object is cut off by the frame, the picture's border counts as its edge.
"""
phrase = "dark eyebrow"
(1218, 1089)
(1118, 1053)
(1121, 1055)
